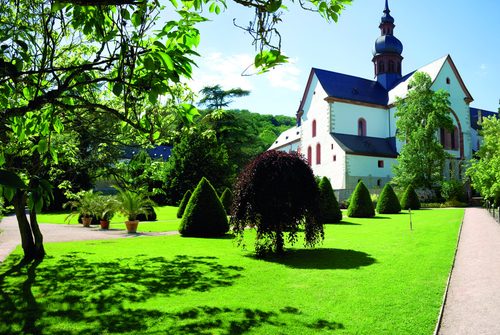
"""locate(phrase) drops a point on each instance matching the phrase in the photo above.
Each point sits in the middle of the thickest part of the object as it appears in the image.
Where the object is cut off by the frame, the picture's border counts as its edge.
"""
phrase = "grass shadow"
(94, 297)
(322, 258)
(344, 223)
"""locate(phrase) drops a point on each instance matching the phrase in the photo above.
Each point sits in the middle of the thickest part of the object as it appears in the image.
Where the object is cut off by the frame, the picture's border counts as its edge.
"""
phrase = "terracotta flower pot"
(132, 226)
(104, 224)
(86, 221)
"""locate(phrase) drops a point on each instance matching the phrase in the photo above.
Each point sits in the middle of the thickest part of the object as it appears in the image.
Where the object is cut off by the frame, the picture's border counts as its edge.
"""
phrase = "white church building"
(346, 125)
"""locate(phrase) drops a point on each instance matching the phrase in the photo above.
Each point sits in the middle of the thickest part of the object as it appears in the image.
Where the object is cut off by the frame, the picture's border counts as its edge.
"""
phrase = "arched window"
(448, 81)
(361, 127)
(309, 155)
(314, 128)
(318, 154)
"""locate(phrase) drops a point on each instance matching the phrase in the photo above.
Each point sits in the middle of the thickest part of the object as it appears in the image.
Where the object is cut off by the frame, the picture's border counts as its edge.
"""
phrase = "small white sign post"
(411, 225)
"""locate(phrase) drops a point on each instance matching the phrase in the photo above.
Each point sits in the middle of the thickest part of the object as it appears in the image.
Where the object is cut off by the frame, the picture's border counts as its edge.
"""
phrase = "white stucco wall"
(458, 105)
(316, 108)
(345, 118)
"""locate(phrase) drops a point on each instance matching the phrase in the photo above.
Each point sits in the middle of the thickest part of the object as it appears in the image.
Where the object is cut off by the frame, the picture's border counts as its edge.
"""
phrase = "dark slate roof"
(161, 151)
(343, 86)
(364, 145)
(474, 114)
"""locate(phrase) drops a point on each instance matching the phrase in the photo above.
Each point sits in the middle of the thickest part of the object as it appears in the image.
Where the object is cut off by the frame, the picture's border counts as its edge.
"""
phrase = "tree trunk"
(27, 241)
(25, 229)
(37, 234)
(280, 243)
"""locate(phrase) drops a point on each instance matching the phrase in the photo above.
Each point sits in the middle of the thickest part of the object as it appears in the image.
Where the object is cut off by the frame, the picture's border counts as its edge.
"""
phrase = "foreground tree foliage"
(112, 59)
(277, 194)
(329, 210)
(485, 169)
(388, 202)
(420, 115)
(204, 215)
(410, 198)
(361, 205)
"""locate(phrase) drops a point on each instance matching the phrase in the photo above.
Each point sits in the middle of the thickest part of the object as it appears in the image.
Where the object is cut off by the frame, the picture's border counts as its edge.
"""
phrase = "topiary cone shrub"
(227, 200)
(410, 199)
(329, 211)
(277, 194)
(388, 202)
(204, 215)
(183, 204)
(361, 205)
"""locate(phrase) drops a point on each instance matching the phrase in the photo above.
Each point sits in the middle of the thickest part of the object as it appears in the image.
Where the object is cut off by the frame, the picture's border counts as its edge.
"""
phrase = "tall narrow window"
(455, 139)
(314, 128)
(381, 67)
(391, 66)
(361, 127)
(309, 155)
(318, 154)
(447, 140)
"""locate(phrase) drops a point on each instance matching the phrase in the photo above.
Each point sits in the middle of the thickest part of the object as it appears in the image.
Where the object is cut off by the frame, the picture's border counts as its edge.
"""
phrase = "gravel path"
(10, 237)
(473, 302)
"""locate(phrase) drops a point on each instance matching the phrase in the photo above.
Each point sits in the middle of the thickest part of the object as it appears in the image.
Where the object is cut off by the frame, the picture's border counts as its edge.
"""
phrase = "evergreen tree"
(410, 199)
(183, 204)
(361, 205)
(197, 155)
(204, 215)
(329, 210)
(388, 202)
(227, 200)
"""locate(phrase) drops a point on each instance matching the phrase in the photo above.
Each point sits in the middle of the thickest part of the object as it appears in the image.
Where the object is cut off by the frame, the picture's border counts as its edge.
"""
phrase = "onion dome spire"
(387, 52)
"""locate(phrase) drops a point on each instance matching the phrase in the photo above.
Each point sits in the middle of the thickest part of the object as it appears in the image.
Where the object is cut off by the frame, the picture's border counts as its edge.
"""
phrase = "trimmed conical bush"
(388, 202)
(410, 199)
(227, 200)
(329, 211)
(183, 204)
(361, 205)
(204, 215)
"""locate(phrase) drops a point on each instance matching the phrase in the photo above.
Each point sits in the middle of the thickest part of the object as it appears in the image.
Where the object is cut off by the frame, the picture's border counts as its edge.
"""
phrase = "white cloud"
(285, 76)
(227, 71)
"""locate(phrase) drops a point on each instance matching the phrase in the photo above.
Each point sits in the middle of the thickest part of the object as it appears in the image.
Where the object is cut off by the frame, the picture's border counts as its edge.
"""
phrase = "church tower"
(387, 52)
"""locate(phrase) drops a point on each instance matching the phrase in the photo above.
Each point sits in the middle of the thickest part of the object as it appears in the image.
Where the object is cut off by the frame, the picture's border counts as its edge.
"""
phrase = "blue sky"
(468, 31)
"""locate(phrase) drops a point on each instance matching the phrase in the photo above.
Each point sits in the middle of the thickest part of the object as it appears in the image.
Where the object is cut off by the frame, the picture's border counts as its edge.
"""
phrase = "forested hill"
(243, 133)
(269, 127)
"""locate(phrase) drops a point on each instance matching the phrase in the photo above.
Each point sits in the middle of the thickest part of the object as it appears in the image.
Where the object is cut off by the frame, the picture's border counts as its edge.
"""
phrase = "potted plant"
(104, 209)
(82, 203)
(131, 205)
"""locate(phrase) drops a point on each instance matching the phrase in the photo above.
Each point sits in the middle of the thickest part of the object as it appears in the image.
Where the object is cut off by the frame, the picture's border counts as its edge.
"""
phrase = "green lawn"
(166, 220)
(371, 276)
